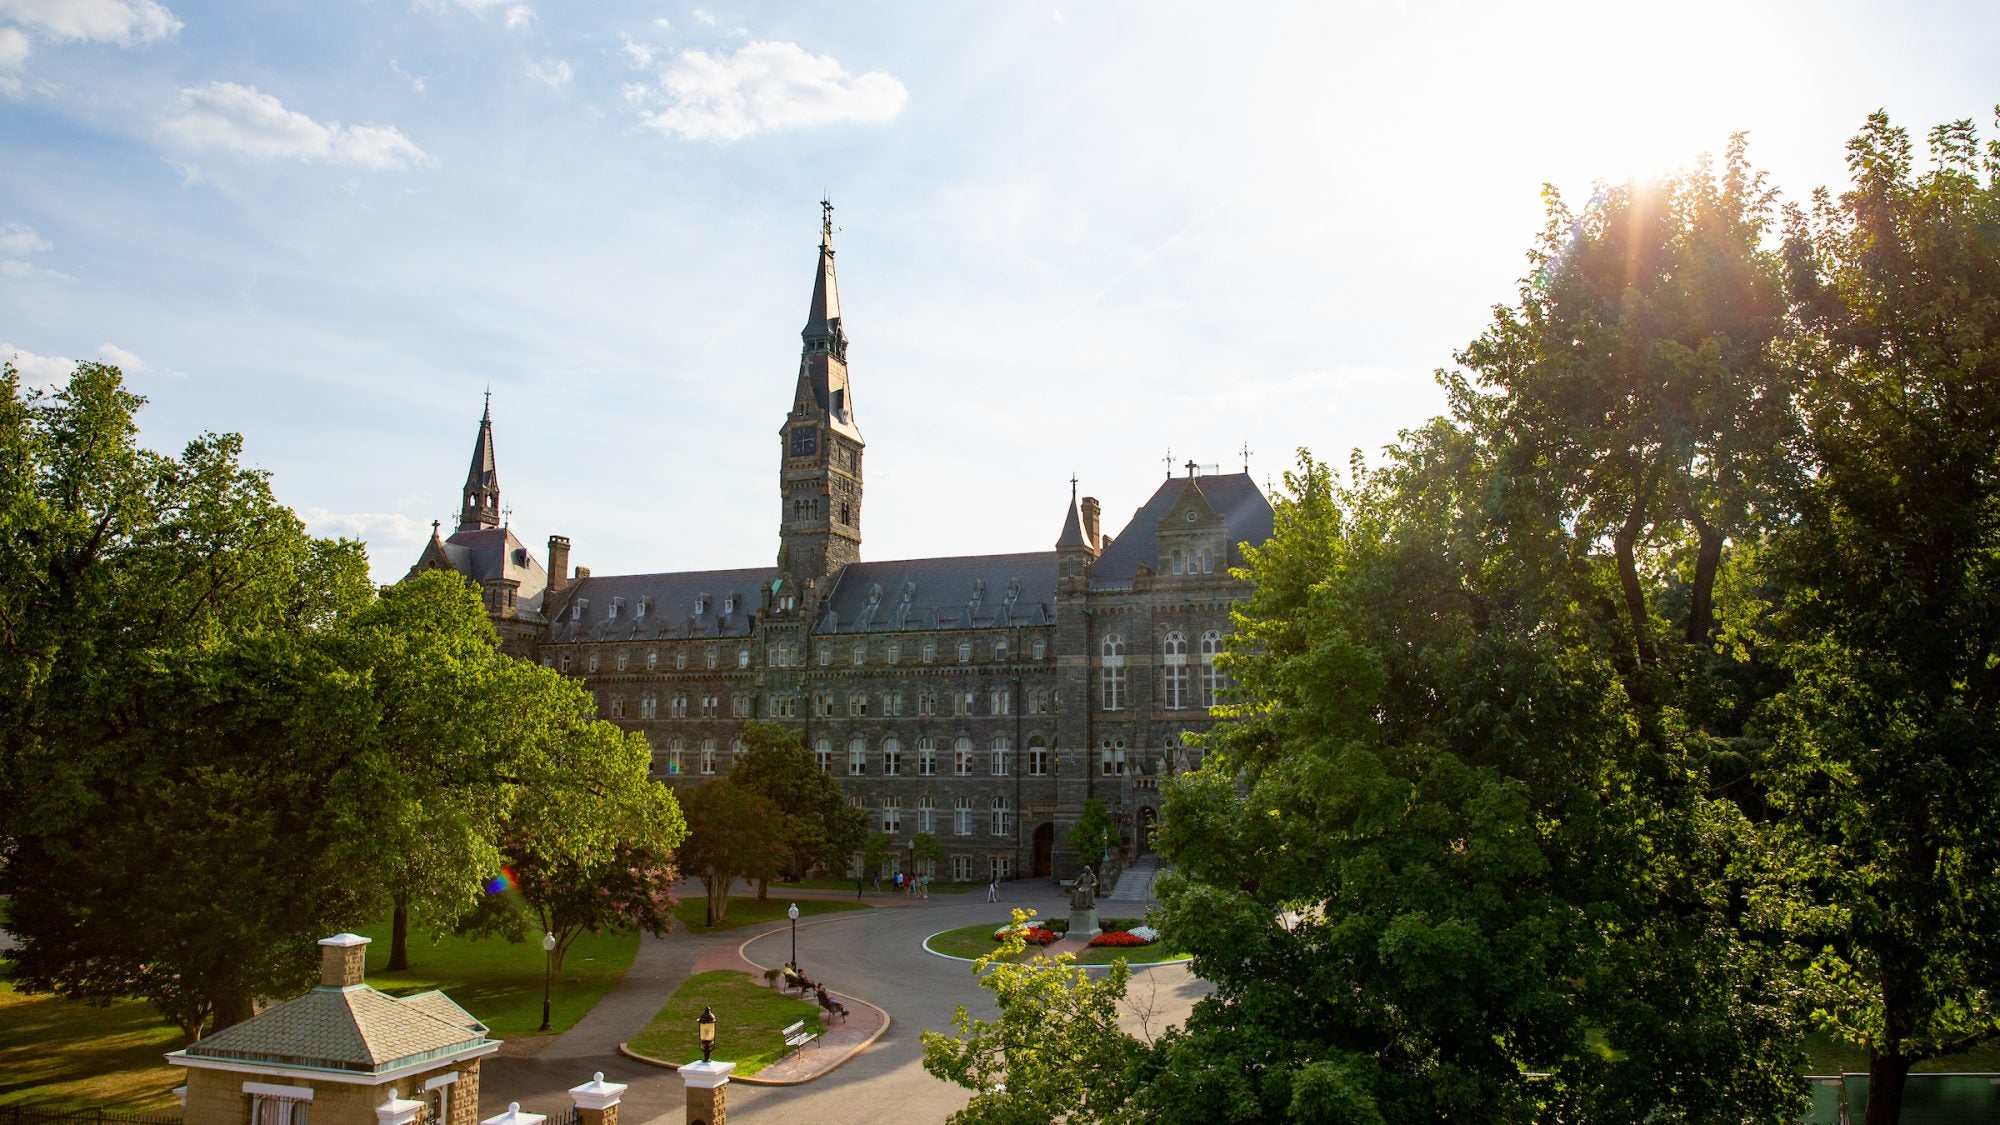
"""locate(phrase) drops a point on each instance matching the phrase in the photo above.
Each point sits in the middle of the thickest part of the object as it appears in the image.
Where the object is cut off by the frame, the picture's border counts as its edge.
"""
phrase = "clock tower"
(819, 479)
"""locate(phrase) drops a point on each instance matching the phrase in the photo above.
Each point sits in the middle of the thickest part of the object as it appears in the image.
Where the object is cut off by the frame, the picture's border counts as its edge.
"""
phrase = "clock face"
(805, 441)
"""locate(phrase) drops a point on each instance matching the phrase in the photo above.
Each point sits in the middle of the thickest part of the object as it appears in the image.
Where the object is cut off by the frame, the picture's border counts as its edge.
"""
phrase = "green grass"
(1827, 1055)
(65, 1054)
(500, 982)
(749, 1021)
(977, 941)
(745, 910)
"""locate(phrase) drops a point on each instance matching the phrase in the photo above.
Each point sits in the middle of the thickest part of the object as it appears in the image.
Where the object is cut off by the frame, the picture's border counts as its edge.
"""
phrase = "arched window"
(680, 659)
(965, 652)
(617, 706)
(892, 757)
(1211, 676)
(708, 755)
(926, 757)
(676, 755)
(857, 756)
(1111, 675)
(823, 754)
(1001, 810)
(649, 705)
(736, 751)
(743, 657)
(1003, 756)
(961, 757)
(1111, 757)
(1174, 664)
(930, 652)
(1038, 757)
(860, 653)
(652, 660)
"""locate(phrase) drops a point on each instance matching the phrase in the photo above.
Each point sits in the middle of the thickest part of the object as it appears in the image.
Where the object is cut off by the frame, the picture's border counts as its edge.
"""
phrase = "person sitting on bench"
(796, 979)
(829, 1003)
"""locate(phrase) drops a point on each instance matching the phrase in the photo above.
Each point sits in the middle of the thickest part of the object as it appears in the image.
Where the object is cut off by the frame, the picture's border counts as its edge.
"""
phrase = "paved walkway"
(1135, 883)
(875, 956)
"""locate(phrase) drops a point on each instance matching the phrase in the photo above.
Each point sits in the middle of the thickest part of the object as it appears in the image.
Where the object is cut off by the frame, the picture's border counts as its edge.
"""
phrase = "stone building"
(980, 698)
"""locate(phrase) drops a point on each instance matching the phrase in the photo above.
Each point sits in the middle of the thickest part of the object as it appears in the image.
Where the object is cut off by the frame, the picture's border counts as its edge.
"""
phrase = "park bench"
(798, 1035)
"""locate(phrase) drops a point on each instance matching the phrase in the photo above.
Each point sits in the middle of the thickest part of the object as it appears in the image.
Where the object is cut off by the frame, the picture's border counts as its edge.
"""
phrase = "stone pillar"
(397, 1110)
(596, 1101)
(707, 1092)
(514, 1116)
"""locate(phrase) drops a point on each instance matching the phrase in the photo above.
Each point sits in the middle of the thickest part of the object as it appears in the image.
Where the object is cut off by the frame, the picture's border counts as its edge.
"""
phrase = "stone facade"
(981, 699)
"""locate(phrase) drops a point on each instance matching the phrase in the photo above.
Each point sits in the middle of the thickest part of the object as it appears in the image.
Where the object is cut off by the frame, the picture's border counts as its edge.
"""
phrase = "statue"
(1084, 895)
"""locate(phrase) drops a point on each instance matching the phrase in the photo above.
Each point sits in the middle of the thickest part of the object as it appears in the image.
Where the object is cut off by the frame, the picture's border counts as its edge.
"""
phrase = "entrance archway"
(1149, 819)
(1045, 851)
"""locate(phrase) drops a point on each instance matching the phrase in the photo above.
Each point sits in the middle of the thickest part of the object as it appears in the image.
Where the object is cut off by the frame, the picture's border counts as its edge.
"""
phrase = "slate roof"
(670, 605)
(1234, 495)
(1072, 532)
(965, 592)
(493, 552)
(356, 1029)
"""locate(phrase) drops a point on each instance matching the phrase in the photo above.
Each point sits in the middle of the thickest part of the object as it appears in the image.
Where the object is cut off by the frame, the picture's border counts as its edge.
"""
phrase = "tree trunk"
(763, 890)
(230, 1010)
(1707, 559)
(1887, 1075)
(1623, 546)
(399, 934)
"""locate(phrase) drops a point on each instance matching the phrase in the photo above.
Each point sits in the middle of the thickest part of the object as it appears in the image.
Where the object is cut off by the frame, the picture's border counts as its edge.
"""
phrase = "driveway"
(877, 955)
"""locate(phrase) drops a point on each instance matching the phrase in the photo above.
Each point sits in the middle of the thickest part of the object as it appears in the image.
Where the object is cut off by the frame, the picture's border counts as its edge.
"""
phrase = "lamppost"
(792, 912)
(705, 1028)
(548, 971)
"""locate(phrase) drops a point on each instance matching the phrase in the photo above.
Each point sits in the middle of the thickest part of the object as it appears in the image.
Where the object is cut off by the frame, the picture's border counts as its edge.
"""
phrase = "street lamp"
(705, 1027)
(548, 971)
(792, 912)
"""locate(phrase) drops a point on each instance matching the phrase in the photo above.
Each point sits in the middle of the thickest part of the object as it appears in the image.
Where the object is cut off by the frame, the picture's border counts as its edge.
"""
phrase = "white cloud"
(554, 73)
(17, 239)
(764, 86)
(244, 120)
(126, 361)
(124, 22)
(703, 18)
(416, 81)
(520, 15)
(639, 54)
(45, 371)
(664, 24)
(379, 530)
(13, 48)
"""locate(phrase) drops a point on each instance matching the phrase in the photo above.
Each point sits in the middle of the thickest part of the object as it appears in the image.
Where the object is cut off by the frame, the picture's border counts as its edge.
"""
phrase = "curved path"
(877, 955)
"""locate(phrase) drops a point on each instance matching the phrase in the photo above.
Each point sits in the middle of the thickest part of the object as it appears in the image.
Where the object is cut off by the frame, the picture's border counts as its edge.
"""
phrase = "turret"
(482, 480)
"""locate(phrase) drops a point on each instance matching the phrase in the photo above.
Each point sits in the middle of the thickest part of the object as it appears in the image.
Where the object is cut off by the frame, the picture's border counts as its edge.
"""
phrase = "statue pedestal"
(1083, 923)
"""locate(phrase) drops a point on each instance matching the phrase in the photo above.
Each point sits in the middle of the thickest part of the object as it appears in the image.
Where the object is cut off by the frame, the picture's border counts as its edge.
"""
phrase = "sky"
(1087, 240)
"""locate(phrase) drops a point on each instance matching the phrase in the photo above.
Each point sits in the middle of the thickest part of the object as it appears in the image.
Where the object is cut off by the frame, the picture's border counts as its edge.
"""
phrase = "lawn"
(745, 910)
(500, 982)
(750, 1019)
(57, 1053)
(977, 941)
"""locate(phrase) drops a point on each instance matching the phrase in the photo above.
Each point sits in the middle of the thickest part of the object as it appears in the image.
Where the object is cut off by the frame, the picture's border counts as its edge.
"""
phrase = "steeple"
(819, 480)
(482, 480)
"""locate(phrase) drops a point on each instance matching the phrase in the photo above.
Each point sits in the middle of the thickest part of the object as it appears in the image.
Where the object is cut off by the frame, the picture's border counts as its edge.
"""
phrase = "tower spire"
(820, 481)
(482, 481)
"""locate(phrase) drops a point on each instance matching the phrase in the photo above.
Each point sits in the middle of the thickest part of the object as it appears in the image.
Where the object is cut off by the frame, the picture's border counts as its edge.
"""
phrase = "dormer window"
(611, 611)
(639, 610)
(700, 604)
(728, 604)
(576, 610)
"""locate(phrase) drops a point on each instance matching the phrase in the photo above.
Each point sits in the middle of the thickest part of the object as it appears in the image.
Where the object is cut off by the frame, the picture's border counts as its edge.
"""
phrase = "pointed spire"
(1072, 533)
(823, 318)
(482, 480)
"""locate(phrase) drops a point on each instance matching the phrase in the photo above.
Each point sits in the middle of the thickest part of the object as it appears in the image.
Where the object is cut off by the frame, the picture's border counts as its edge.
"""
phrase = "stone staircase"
(1135, 883)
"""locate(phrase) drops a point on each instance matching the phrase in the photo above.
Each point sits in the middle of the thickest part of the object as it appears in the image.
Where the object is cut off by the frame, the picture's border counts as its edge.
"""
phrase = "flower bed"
(1119, 938)
(1033, 935)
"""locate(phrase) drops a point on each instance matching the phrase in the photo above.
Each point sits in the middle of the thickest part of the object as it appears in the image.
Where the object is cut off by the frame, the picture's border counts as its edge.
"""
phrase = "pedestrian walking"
(993, 889)
(927, 886)
(859, 886)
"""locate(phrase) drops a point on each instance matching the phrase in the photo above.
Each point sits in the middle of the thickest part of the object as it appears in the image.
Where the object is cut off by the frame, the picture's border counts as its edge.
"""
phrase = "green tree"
(876, 848)
(818, 823)
(1885, 767)
(925, 849)
(733, 834)
(1090, 836)
(175, 741)
(1056, 1053)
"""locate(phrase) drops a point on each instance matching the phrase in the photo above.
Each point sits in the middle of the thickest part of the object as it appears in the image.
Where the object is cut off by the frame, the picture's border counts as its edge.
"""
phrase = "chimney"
(343, 960)
(1090, 514)
(558, 561)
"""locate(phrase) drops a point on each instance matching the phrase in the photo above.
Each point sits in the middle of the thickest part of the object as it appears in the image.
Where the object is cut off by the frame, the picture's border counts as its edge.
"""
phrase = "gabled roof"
(962, 592)
(486, 553)
(670, 605)
(355, 1029)
(1234, 496)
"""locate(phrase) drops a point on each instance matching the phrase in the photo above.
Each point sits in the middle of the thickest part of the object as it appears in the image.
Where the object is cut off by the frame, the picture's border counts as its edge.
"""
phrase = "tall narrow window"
(892, 757)
(1211, 676)
(1174, 665)
(929, 653)
(961, 816)
(1111, 757)
(860, 653)
(926, 813)
(823, 754)
(676, 756)
(707, 755)
(965, 652)
(1003, 756)
(1001, 810)
(961, 757)
(1038, 758)
(926, 757)
(892, 814)
(857, 756)
(1111, 675)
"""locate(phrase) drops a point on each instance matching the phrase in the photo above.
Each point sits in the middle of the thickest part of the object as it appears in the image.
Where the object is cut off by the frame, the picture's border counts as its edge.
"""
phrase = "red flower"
(1118, 938)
